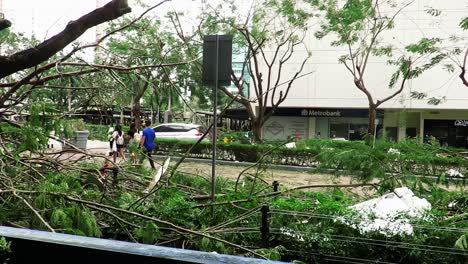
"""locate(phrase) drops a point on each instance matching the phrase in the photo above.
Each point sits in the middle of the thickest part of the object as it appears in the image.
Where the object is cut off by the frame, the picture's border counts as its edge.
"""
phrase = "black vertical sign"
(224, 60)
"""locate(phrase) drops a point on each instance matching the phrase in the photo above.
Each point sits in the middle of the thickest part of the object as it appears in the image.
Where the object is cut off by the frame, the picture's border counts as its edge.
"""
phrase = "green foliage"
(464, 23)
(171, 204)
(352, 157)
(291, 204)
(272, 253)
(462, 242)
(4, 246)
(33, 135)
(301, 222)
(12, 42)
(291, 10)
(148, 234)
(346, 22)
(424, 46)
(98, 132)
(211, 245)
(84, 222)
(235, 136)
(61, 219)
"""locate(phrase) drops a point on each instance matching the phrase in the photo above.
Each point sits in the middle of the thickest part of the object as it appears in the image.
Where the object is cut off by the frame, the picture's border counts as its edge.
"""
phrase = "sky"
(45, 18)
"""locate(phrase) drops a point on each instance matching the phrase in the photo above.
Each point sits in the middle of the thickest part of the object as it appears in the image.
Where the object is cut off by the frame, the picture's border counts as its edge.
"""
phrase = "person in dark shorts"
(119, 141)
(147, 143)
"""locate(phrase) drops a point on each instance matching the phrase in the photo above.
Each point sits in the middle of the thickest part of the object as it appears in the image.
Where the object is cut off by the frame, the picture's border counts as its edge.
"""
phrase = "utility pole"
(217, 68)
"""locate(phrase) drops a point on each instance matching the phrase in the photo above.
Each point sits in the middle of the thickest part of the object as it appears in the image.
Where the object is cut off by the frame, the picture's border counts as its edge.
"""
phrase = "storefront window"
(391, 133)
(354, 129)
(339, 130)
(447, 132)
(357, 131)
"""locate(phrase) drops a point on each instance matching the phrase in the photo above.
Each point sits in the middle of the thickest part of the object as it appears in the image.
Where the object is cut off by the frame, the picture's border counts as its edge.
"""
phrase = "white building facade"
(326, 103)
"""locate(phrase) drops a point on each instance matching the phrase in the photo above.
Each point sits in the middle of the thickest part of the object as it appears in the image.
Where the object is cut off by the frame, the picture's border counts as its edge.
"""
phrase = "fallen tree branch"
(181, 229)
(257, 163)
(174, 169)
(74, 29)
(34, 211)
(281, 192)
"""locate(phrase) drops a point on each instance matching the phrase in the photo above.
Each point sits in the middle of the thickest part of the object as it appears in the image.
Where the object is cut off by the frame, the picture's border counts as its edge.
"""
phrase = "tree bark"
(257, 131)
(136, 111)
(121, 114)
(462, 76)
(371, 123)
(136, 106)
(36, 55)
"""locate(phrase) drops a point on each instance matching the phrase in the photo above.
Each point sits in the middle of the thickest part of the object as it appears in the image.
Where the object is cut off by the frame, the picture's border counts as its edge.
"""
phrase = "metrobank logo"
(327, 113)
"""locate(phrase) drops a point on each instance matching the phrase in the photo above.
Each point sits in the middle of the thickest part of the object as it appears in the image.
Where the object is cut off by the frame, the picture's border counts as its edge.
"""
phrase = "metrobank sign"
(314, 113)
(324, 112)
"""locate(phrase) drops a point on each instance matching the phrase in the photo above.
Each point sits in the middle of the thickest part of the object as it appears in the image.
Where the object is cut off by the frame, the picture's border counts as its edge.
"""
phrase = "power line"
(386, 243)
(335, 217)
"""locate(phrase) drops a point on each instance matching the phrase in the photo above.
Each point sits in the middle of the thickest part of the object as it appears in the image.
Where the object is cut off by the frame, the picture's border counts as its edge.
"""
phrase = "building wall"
(404, 120)
(327, 83)
(317, 123)
(283, 127)
(331, 85)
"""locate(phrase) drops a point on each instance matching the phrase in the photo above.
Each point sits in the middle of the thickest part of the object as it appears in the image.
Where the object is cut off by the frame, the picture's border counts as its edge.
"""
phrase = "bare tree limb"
(402, 86)
(463, 69)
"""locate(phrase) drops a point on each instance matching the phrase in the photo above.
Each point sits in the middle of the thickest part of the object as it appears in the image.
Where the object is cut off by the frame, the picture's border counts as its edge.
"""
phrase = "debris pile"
(390, 214)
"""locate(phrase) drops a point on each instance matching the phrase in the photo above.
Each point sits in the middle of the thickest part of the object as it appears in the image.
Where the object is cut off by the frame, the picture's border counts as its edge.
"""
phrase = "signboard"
(315, 113)
(463, 123)
(217, 46)
(324, 112)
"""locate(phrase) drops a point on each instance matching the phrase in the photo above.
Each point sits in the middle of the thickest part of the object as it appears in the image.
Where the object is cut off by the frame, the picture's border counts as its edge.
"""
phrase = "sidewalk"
(92, 146)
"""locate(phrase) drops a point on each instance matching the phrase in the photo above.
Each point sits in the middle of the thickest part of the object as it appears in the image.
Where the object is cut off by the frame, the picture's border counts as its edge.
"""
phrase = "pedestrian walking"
(119, 142)
(133, 143)
(147, 143)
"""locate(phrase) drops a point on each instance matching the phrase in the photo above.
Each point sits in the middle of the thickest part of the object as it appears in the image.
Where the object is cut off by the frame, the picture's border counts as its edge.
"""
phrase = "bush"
(98, 132)
(352, 156)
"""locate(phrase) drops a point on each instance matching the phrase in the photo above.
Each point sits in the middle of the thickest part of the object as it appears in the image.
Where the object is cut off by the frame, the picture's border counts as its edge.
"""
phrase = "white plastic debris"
(393, 151)
(454, 173)
(390, 214)
(452, 204)
(291, 145)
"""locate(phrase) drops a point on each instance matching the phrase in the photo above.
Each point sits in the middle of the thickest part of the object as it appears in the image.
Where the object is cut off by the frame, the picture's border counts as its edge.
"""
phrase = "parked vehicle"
(179, 131)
